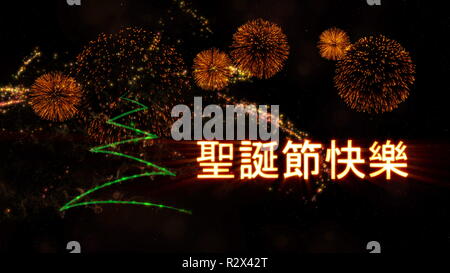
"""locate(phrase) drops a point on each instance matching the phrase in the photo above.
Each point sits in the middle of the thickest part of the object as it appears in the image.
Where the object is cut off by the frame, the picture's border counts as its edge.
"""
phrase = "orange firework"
(260, 47)
(55, 96)
(212, 69)
(375, 75)
(333, 43)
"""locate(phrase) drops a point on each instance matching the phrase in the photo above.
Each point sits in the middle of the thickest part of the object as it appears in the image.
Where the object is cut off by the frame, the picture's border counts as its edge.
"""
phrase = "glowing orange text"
(302, 160)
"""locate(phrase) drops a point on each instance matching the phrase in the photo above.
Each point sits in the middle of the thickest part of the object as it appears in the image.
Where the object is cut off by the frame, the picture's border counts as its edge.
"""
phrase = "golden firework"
(333, 43)
(55, 96)
(260, 47)
(375, 75)
(212, 69)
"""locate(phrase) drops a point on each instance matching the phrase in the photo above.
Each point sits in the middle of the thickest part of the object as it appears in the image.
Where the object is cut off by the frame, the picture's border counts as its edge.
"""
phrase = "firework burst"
(260, 47)
(212, 69)
(134, 63)
(55, 96)
(375, 75)
(333, 43)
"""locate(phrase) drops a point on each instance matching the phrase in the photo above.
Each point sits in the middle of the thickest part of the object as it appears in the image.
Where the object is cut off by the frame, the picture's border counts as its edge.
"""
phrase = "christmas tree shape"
(106, 149)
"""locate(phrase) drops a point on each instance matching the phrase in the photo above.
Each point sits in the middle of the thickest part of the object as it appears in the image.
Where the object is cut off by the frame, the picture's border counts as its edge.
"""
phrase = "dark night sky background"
(411, 215)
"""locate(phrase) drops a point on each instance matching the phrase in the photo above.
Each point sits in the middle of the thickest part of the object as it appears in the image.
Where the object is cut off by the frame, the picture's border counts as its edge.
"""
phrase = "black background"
(405, 216)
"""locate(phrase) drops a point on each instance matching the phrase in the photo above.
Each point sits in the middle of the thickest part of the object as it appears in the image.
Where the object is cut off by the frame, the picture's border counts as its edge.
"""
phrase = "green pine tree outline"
(104, 149)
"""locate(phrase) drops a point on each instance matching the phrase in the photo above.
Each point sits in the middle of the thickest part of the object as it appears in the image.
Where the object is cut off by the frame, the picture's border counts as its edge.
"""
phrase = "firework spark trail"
(104, 149)
(15, 90)
(238, 75)
(284, 124)
(292, 133)
(13, 95)
(185, 7)
(36, 53)
(10, 102)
